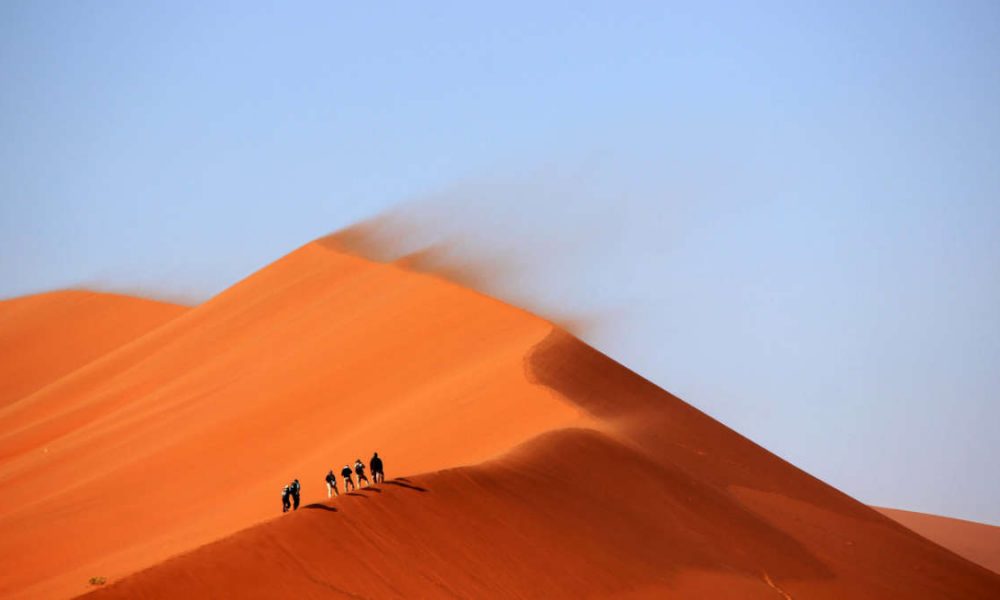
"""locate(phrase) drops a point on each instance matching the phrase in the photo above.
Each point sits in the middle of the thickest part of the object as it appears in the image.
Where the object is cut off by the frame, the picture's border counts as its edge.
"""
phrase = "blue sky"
(787, 213)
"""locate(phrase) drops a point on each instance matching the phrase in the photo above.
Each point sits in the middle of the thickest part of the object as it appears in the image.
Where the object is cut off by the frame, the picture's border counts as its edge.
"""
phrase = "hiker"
(285, 503)
(359, 468)
(346, 474)
(375, 464)
(295, 488)
(331, 484)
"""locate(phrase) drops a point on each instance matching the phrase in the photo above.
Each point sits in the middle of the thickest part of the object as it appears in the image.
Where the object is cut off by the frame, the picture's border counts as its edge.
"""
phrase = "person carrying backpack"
(375, 464)
(331, 484)
(346, 474)
(295, 489)
(286, 492)
(359, 468)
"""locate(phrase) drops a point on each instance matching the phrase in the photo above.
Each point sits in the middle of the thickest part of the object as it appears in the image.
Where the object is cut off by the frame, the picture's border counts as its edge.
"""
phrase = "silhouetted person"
(359, 468)
(331, 484)
(346, 474)
(286, 493)
(295, 488)
(375, 464)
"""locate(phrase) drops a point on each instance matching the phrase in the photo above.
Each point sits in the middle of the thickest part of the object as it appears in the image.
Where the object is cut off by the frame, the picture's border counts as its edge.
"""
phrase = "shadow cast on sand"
(404, 483)
(318, 506)
(370, 489)
(357, 494)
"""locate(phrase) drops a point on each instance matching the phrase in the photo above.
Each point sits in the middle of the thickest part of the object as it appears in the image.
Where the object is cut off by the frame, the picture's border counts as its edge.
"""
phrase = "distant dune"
(523, 463)
(977, 542)
(46, 336)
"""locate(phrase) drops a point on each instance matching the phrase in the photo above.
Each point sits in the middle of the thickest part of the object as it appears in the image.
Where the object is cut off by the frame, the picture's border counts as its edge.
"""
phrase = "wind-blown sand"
(977, 542)
(533, 464)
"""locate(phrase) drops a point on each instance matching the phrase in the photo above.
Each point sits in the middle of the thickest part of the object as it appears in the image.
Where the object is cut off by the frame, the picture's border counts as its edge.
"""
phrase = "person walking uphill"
(346, 474)
(375, 464)
(359, 468)
(295, 489)
(286, 493)
(331, 485)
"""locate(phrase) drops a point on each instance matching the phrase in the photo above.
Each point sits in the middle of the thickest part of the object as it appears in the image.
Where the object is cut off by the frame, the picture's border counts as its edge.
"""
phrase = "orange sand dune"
(571, 514)
(188, 434)
(664, 502)
(550, 470)
(46, 336)
(977, 542)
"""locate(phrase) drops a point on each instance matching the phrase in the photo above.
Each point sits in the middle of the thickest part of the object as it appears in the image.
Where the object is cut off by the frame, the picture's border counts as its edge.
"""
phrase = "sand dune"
(46, 336)
(571, 514)
(664, 502)
(533, 464)
(187, 434)
(977, 542)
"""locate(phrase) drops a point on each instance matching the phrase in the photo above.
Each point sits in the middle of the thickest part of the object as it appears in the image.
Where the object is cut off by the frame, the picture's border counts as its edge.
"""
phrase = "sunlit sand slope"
(977, 542)
(46, 336)
(531, 464)
(188, 434)
(658, 501)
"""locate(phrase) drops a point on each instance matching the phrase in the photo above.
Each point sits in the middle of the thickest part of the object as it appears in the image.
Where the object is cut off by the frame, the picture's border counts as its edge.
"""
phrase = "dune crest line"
(548, 469)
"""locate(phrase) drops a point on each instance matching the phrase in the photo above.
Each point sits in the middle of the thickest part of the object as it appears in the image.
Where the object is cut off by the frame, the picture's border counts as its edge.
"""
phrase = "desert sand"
(977, 542)
(47, 336)
(521, 462)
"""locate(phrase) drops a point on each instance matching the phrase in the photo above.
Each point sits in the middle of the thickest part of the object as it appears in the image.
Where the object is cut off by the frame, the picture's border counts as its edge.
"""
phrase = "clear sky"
(787, 213)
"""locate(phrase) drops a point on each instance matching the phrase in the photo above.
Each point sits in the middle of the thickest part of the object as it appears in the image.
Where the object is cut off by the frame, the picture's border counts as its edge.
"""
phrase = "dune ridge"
(44, 337)
(187, 434)
(977, 542)
(663, 501)
(532, 465)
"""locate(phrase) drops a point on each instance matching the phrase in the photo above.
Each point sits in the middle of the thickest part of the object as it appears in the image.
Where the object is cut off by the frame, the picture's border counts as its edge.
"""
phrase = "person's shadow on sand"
(405, 483)
(399, 482)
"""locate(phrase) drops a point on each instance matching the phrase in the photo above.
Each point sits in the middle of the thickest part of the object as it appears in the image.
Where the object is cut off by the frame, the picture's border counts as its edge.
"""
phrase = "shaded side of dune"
(552, 471)
(664, 501)
(571, 514)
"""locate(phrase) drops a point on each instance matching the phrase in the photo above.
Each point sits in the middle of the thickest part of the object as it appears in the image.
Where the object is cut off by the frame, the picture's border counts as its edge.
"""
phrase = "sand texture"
(977, 542)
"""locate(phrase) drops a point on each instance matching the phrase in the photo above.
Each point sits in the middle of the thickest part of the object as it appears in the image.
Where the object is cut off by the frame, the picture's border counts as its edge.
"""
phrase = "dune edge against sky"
(318, 319)
(978, 542)
(44, 337)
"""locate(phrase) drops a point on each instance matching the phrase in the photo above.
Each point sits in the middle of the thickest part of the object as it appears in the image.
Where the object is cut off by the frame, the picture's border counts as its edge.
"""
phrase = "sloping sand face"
(977, 542)
(664, 502)
(549, 469)
(47, 336)
(189, 433)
